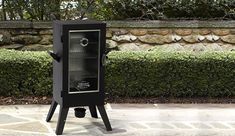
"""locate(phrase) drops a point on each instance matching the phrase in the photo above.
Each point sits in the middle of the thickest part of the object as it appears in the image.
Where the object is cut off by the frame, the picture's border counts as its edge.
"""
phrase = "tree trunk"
(3, 10)
(57, 9)
(41, 9)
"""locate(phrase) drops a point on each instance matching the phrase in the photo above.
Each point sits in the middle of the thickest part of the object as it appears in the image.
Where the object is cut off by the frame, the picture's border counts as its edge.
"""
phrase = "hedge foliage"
(171, 74)
(132, 74)
(25, 73)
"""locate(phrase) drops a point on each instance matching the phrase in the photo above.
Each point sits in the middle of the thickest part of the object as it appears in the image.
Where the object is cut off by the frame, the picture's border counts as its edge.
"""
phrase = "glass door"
(84, 46)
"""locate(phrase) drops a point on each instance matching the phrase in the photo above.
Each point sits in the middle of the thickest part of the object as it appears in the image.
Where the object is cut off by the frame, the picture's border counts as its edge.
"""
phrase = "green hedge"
(171, 74)
(25, 73)
(133, 74)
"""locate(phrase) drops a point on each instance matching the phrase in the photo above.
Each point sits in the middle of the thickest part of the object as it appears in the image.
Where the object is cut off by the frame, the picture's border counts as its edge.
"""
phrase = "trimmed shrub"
(25, 73)
(132, 74)
(171, 74)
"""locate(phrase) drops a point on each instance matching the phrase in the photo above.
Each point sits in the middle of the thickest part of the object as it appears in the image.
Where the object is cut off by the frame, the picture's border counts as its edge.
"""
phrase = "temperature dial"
(84, 42)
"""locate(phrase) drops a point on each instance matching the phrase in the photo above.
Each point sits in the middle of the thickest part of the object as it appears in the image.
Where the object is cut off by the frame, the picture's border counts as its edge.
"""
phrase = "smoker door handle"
(54, 56)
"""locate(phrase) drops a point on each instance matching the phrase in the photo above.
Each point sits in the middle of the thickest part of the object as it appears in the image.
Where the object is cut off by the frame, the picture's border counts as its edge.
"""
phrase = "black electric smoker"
(78, 69)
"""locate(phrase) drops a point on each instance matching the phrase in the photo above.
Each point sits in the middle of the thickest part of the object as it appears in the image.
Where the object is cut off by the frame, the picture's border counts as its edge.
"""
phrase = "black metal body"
(78, 68)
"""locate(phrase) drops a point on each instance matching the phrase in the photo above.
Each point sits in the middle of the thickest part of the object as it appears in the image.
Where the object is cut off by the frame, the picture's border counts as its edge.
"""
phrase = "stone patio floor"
(126, 120)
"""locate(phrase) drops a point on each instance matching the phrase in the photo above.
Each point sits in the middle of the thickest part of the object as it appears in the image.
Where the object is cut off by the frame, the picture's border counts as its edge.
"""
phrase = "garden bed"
(4, 100)
(147, 100)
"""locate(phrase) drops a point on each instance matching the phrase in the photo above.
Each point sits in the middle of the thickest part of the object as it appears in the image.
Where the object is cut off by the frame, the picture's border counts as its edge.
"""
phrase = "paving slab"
(126, 120)
(159, 125)
(201, 125)
(27, 127)
(4, 119)
(20, 133)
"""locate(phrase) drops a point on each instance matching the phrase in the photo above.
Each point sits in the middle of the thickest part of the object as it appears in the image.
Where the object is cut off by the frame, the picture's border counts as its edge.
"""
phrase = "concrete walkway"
(126, 120)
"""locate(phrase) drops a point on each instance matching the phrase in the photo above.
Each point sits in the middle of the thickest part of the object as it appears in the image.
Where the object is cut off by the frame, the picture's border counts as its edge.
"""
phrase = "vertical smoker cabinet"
(78, 69)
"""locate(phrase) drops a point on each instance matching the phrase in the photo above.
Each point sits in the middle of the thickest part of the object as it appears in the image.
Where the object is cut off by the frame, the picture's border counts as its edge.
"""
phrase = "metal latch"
(54, 56)
(104, 59)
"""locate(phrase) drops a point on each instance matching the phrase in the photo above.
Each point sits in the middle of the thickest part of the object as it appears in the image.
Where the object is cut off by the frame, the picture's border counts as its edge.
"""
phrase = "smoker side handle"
(104, 59)
(54, 56)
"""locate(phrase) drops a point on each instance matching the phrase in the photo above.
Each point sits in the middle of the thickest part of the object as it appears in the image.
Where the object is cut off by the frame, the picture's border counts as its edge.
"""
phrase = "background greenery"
(167, 9)
(132, 74)
(117, 9)
(171, 74)
(25, 73)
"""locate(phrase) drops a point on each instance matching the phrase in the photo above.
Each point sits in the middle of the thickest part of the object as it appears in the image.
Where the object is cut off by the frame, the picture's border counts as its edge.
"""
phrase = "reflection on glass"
(83, 61)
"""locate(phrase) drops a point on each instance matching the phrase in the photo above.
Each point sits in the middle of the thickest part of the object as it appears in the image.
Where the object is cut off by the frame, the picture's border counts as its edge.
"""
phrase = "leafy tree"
(117, 9)
(30, 9)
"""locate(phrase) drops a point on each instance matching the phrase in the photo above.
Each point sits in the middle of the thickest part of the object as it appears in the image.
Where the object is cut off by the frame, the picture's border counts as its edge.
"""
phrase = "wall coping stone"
(128, 24)
(172, 24)
(25, 24)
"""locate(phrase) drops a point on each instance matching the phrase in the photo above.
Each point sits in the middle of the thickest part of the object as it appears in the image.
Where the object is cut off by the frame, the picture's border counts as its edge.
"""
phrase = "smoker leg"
(52, 110)
(61, 120)
(104, 117)
(93, 111)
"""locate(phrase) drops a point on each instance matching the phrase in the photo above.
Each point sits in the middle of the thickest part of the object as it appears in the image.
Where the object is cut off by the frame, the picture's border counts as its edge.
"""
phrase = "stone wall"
(172, 35)
(131, 35)
(23, 35)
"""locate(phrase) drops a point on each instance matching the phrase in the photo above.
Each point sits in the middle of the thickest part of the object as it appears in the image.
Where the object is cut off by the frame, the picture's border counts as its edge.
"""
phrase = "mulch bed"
(24, 100)
(172, 100)
(47, 100)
